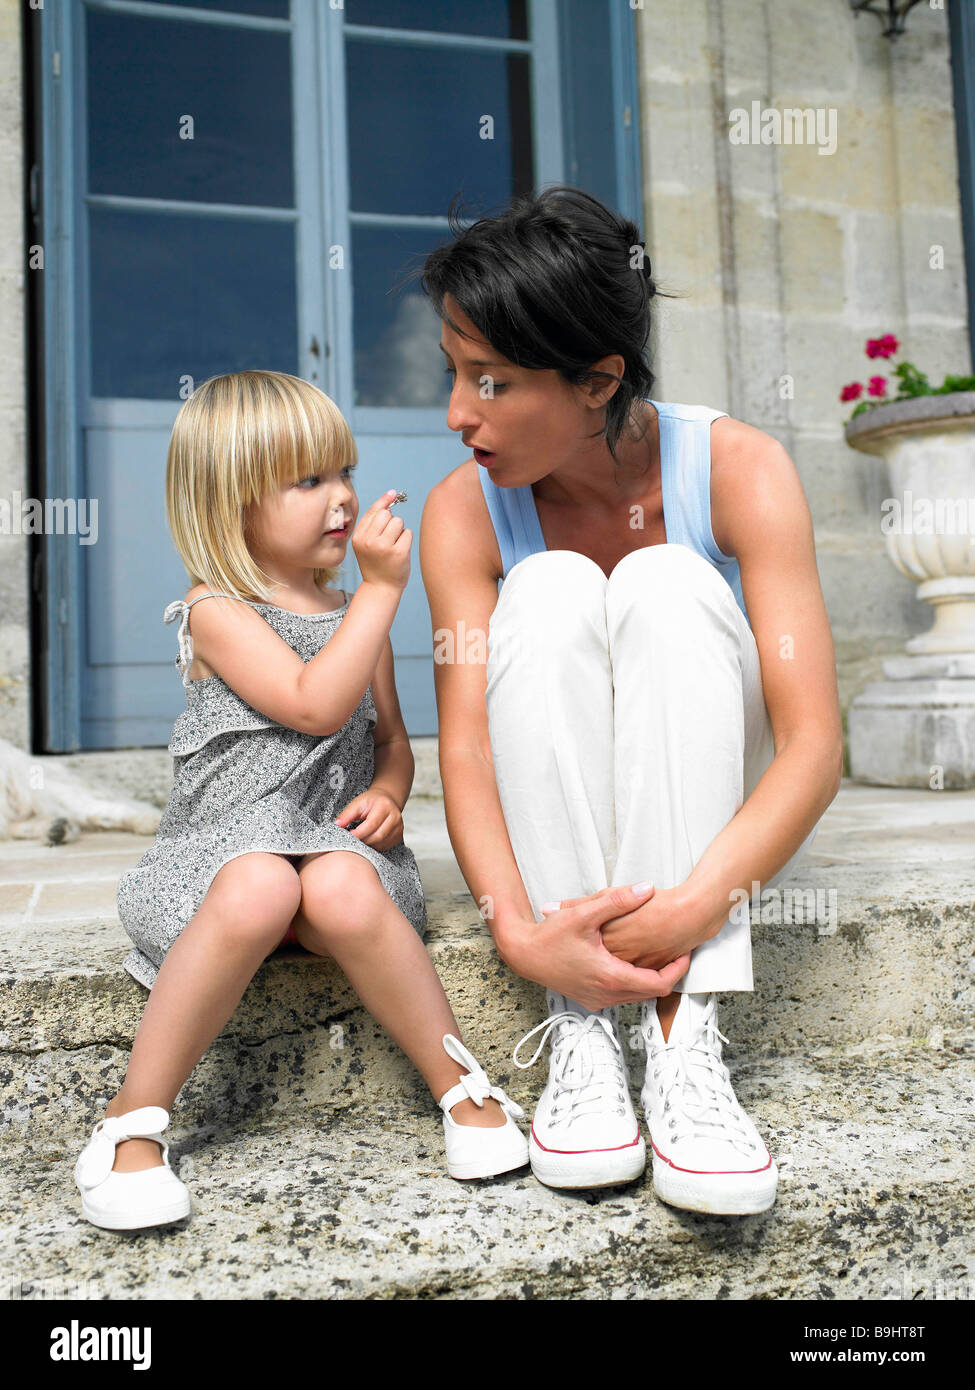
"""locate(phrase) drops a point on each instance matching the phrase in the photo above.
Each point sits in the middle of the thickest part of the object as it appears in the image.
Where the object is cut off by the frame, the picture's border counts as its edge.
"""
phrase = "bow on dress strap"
(95, 1162)
(475, 1083)
(185, 660)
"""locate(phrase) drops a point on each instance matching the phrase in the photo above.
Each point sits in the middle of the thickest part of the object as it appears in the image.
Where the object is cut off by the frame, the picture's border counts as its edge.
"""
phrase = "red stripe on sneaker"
(677, 1168)
(612, 1149)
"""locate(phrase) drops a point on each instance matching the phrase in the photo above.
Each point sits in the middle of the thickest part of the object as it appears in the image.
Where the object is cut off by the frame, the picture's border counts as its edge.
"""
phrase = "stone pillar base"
(917, 727)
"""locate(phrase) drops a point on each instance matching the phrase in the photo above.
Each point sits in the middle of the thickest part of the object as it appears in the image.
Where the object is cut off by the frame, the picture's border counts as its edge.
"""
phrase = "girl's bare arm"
(394, 763)
(318, 696)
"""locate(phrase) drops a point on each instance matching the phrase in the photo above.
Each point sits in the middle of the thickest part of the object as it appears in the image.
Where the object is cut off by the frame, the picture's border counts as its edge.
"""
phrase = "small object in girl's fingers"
(400, 497)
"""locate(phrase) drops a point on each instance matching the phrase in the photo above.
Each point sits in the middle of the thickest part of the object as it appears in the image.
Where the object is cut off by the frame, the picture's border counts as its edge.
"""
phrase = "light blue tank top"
(685, 476)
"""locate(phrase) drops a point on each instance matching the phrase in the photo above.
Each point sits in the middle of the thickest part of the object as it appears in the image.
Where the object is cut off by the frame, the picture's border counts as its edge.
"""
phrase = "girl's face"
(521, 424)
(303, 526)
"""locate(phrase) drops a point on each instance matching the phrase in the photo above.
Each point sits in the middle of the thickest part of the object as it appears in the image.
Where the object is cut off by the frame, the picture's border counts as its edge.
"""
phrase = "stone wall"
(788, 260)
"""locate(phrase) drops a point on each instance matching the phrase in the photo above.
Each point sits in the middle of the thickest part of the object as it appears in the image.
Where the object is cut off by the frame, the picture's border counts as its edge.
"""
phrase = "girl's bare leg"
(245, 913)
(346, 912)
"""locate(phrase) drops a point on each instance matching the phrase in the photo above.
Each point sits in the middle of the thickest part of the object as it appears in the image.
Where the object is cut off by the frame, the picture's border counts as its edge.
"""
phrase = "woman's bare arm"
(762, 517)
(460, 585)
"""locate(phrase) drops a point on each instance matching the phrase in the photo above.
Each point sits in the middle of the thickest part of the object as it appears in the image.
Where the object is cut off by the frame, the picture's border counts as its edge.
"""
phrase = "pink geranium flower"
(851, 392)
(877, 386)
(882, 347)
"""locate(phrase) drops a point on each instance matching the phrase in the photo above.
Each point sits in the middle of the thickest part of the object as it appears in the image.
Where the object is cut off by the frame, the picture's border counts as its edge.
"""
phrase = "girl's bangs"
(311, 438)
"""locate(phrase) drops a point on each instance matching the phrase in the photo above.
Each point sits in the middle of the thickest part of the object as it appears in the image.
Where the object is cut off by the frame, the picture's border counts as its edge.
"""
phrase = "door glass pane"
(175, 296)
(395, 330)
(416, 122)
(270, 9)
(503, 19)
(146, 76)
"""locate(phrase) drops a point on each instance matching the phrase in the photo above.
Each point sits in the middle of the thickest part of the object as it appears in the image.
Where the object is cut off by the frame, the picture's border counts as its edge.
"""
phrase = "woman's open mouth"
(483, 456)
(340, 531)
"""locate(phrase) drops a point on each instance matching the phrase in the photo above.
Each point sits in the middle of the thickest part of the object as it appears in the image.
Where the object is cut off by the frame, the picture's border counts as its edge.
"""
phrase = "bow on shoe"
(170, 614)
(95, 1162)
(476, 1082)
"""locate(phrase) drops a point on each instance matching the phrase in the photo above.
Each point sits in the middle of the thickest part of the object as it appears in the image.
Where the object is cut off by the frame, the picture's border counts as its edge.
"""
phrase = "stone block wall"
(787, 260)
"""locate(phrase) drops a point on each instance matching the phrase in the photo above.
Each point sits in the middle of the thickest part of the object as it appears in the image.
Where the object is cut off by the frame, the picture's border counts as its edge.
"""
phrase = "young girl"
(292, 766)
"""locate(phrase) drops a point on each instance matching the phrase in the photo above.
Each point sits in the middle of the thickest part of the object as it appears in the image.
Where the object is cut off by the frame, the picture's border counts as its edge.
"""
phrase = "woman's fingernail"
(643, 887)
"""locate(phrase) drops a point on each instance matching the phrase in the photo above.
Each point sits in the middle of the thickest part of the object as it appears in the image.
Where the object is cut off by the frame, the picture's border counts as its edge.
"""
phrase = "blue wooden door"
(245, 183)
(437, 99)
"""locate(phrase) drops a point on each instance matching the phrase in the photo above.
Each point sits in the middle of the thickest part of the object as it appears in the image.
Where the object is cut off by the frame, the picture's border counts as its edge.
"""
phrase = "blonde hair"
(236, 439)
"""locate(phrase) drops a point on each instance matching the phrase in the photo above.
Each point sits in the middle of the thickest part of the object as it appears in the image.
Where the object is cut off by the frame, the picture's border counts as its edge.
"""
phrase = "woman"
(658, 704)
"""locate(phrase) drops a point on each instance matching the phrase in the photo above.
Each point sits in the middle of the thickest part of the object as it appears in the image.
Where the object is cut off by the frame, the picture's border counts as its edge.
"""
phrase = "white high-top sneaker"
(707, 1154)
(585, 1132)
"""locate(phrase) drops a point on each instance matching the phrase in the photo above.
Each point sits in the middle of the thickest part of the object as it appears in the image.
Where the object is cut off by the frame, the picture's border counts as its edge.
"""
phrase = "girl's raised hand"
(382, 544)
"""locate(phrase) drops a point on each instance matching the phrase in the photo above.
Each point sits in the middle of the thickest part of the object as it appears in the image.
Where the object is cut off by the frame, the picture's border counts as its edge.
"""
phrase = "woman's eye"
(498, 385)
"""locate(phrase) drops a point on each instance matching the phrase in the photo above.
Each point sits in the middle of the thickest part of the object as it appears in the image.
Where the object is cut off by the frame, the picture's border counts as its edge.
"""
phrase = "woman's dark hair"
(556, 282)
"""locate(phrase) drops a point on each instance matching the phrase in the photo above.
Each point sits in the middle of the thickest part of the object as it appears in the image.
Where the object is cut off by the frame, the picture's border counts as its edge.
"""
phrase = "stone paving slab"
(875, 1200)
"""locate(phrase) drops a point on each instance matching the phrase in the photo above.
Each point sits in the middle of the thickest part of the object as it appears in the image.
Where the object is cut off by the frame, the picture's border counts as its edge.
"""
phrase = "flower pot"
(917, 727)
(929, 445)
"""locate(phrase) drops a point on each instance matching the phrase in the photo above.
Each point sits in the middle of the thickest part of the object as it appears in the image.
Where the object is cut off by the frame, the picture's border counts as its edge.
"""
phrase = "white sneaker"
(129, 1201)
(585, 1132)
(707, 1154)
(478, 1151)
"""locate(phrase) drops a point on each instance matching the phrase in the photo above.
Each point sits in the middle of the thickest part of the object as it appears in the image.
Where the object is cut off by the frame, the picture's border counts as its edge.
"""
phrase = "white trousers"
(628, 725)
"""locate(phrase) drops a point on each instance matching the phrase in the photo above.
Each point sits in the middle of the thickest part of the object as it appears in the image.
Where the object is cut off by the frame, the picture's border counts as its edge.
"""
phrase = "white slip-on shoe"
(479, 1151)
(129, 1201)
(707, 1154)
(584, 1132)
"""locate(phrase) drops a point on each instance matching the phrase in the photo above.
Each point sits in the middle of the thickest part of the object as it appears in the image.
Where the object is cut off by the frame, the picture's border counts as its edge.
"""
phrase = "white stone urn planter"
(916, 728)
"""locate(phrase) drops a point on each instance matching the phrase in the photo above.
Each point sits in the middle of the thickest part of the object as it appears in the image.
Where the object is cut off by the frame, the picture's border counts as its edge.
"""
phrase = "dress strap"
(179, 608)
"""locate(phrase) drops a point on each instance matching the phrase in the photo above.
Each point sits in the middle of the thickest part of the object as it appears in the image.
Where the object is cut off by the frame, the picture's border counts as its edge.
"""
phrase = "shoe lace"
(586, 1065)
(693, 1065)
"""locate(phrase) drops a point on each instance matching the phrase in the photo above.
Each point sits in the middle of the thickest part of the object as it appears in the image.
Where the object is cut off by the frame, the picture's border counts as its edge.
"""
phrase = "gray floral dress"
(243, 782)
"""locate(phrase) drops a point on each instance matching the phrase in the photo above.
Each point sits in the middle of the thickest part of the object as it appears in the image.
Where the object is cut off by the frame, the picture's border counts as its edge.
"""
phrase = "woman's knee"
(255, 894)
(548, 601)
(671, 582)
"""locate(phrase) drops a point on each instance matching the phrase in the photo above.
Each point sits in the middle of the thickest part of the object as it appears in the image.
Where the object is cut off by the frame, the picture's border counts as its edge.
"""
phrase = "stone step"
(897, 961)
(875, 1200)
(897, 966)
